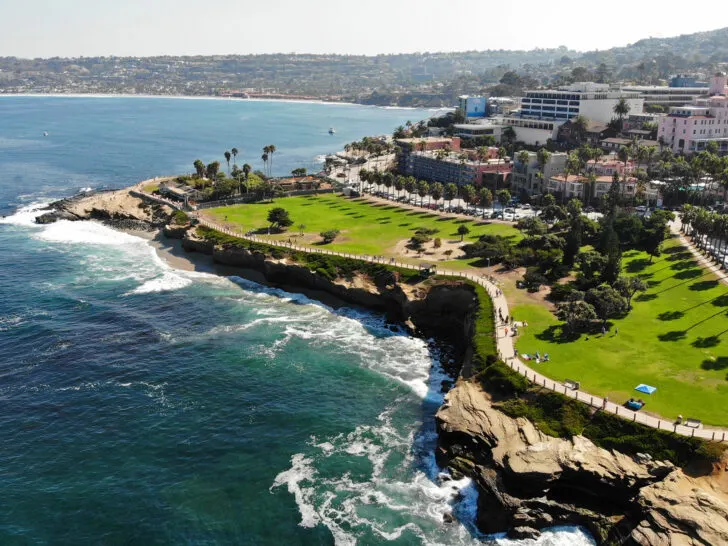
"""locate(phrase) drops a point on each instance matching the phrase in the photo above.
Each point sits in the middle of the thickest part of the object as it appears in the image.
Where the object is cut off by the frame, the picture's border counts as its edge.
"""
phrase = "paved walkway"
(505, 344)
(699, 255)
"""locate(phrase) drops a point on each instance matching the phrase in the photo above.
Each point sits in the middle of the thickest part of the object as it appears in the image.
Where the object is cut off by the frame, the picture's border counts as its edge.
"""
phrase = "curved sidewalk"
(504, 342)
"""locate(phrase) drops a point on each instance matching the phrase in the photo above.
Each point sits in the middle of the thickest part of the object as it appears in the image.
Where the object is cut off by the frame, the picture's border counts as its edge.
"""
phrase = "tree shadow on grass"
(556, 334)
(721, 301)
(405, 225)
(679, 256)
(706, 342)
(671, 315)
(719, 363)
(688, 274)
(675, 335)
(635, 266)
(676, 249)
(653, 284)
(703, 285)
(385, 222)
(646, 297)
(684, 264)
(463, 221)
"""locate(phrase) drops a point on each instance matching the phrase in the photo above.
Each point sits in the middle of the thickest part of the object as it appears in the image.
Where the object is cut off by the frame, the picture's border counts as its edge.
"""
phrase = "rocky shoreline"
(527, 480)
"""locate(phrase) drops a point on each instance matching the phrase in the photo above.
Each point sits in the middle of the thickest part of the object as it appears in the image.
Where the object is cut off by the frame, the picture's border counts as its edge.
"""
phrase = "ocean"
(140, 404)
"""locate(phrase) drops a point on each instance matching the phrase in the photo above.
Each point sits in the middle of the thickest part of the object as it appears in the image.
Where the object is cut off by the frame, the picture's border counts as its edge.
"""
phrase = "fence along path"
(504, 341)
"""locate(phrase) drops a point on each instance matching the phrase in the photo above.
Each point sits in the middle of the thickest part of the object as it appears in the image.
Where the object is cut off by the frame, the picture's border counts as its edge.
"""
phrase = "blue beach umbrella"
(647, 389)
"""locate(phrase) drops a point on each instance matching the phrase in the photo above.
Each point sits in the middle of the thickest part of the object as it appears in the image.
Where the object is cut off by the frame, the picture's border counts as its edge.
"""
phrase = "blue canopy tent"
(647, 389)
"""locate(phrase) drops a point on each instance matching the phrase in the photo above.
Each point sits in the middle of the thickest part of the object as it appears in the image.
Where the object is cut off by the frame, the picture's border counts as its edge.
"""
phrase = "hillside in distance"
(418, 79)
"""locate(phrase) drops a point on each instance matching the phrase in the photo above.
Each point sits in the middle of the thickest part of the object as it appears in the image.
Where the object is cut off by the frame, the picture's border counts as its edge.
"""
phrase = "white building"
(594, 101)
(667, 96)
(526, 176)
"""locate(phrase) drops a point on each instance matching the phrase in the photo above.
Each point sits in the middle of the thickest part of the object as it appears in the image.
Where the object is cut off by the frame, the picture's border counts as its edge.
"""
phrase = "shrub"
(560, 292)
(330, 235)
(437, 243)
(180, 218)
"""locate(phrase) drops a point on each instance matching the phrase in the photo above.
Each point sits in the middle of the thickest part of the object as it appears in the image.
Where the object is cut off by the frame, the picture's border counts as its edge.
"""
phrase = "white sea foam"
(25, 216)
(65, 231)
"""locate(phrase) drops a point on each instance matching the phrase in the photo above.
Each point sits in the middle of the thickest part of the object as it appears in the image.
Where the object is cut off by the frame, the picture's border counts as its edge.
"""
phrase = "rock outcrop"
(530, 480)
(118, 209)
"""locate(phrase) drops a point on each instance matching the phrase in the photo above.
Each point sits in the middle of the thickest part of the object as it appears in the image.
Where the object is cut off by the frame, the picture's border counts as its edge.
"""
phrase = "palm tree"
(622, 108)
(410, 185)
(572, 166)
(467, 192)
(399, 184)
(502, 154)
(423, 188)
(227, 158)
(271, 151)
(543, 156)
(579, 125)
(436, 191)
(199, 168)
(449, 193)
(234, 151)
(388, 181)
(246, 170)
(523, 157)
(264, 157)
(481, 153)
(485, 198)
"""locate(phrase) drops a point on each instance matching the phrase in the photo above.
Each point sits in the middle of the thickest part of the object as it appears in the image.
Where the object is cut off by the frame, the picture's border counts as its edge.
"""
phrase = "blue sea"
(140, 404)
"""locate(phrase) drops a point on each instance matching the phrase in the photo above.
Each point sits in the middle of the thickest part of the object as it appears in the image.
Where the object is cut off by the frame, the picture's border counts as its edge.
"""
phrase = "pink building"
(688, 129)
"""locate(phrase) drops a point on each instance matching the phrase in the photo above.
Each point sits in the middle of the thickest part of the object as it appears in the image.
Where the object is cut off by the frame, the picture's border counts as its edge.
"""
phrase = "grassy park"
(366, 227)
(673, 339)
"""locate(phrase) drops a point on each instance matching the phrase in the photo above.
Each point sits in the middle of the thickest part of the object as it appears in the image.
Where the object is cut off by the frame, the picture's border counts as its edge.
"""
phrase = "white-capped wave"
(25, 216)
(168, 281)
(93, 233)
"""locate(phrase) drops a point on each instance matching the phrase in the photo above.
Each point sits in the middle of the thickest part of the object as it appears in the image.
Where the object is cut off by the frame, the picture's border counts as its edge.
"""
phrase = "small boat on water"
(45, 133)
(332, 131)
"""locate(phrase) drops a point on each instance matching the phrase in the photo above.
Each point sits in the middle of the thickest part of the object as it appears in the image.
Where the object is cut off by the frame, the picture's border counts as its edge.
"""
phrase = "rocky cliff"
(442, 309)
(530, 481)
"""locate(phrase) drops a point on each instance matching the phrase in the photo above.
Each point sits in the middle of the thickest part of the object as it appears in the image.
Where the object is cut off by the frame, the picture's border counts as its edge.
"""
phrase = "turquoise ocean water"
(144, 405)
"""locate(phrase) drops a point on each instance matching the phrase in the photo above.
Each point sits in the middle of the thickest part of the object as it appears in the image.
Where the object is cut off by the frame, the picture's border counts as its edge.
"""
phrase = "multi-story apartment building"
(452, 167)
(663, 95)
(579, 187)
(526, 175)
(407, 146)
(688, 129)
(595, 101)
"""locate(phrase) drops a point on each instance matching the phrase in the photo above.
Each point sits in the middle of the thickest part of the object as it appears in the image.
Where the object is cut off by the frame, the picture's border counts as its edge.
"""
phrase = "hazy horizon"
(147, 28)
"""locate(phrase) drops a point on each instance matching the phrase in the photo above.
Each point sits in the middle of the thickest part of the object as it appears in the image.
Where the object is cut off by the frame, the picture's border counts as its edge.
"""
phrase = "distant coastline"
(203, 97)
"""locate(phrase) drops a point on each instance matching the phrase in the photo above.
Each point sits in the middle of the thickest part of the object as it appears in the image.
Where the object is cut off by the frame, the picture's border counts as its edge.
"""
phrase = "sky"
(73, 28)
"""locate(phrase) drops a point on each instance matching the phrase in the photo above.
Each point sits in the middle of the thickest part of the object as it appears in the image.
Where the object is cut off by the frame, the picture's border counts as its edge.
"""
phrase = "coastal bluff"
(529, 481)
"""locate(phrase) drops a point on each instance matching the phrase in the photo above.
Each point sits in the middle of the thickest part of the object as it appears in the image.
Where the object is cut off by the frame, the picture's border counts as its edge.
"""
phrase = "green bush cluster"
(180, 218)
(556, 415)
(491, 372)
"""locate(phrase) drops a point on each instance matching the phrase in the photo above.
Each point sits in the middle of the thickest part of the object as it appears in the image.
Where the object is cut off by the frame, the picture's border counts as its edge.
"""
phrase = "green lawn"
(366, 228)
(675, 339)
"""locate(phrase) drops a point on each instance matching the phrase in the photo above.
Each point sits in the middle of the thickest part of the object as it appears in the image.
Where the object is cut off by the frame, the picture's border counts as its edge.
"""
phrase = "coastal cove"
(511, 487)
(166, 406)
